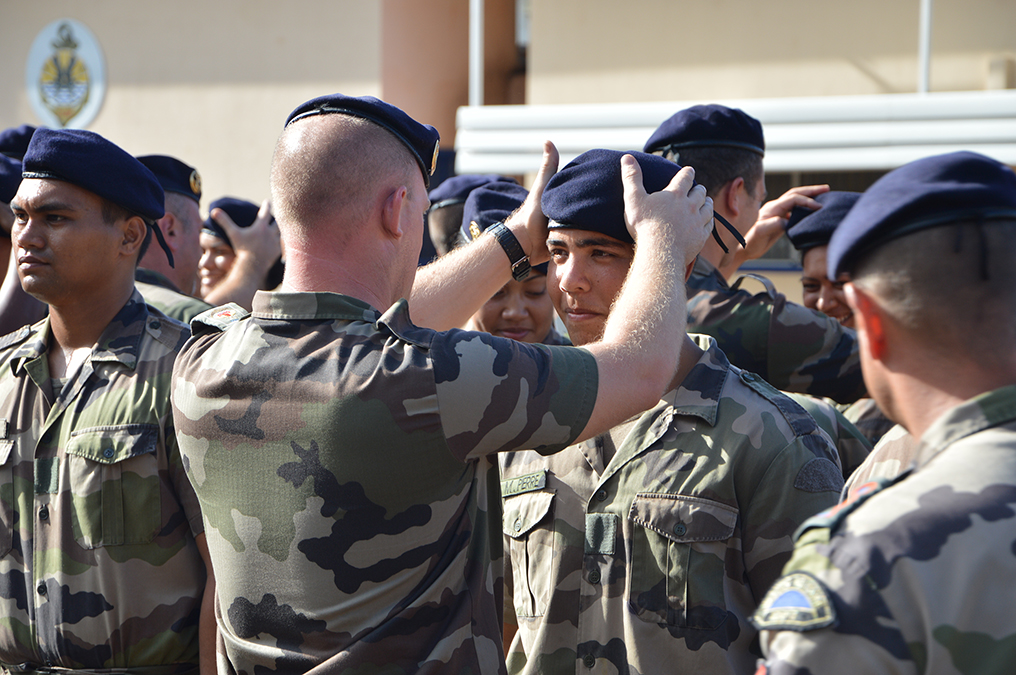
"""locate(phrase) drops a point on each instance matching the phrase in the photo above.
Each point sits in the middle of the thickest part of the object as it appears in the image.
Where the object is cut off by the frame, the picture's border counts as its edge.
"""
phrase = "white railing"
(832, 133)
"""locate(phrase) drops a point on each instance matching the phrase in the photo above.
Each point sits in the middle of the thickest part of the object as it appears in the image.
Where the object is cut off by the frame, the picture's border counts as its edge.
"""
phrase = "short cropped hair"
(715, 166)
(337, 169)
(952, 286)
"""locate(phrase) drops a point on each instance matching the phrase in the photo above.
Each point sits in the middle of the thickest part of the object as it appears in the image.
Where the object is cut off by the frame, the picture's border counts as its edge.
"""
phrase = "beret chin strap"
(165, 246)
(731, 229)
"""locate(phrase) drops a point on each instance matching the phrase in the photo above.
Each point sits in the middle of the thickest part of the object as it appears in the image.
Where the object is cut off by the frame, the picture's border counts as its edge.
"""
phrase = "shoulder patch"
(770, 288)
(218, 318)
(20, 335)
(819, 475)
(798, 602)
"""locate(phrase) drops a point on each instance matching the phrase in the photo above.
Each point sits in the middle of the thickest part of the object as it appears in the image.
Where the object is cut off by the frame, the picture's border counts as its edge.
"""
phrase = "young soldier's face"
(63, 245)
(587, 270)
(819, 292)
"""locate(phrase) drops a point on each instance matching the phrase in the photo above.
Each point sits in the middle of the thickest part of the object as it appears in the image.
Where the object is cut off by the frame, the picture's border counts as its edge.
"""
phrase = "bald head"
(333, 170)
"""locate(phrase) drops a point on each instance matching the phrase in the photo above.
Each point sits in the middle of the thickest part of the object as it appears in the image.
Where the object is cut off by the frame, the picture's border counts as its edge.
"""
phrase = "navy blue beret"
(926, 193)
(489, 204)
(14, 141)
(174, 176)
(706, 126)
(454, 190)
(241, 211)
(492, 203)
(588, 193)
(89, 161)
(10, 178)
(421, 139)
(808, 229)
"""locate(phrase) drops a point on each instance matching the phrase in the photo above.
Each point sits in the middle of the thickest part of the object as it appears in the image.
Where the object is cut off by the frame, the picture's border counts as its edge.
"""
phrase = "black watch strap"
(516, 256)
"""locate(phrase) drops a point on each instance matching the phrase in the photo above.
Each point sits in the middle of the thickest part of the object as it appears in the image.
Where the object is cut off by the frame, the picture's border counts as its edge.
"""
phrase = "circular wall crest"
(66, 75)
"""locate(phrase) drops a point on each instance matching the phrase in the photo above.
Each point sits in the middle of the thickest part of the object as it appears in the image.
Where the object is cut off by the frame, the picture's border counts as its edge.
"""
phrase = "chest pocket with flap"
(678, 550)
(113, 472)
(529, 530)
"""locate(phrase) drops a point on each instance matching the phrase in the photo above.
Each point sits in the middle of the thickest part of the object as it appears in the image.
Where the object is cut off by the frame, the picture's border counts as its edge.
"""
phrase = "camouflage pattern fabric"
(890, 457)
(340, 458)
(159, 292)
(868, 418)
(98, 564)
(653, 562)
(915, 577)
(851, 446)
(792, 347)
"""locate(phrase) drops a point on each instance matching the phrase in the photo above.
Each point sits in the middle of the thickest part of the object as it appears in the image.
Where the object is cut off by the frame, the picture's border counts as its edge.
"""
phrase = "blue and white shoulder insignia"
(798, 602)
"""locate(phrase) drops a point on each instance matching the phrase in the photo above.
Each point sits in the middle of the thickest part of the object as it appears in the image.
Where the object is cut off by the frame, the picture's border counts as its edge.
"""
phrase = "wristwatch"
(513, 249)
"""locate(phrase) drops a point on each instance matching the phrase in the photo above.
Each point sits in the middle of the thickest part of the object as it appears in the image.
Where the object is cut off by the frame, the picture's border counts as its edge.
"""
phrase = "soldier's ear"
(392, 212)
(731, 197)
(134, 231)
(870, 320)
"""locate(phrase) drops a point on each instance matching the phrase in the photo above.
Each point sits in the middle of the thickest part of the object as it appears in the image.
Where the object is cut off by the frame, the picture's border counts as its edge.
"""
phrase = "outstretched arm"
(449, 290)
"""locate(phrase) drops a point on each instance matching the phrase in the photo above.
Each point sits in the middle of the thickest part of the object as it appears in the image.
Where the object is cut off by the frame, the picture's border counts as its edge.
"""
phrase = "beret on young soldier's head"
(174, 176)
(930, 192)
(14, 141)
(10, 178)
(422, 140)
(705, 126)
(89, 161)
(456, 189)
(588, 193)
(807, 228)
(242, 212)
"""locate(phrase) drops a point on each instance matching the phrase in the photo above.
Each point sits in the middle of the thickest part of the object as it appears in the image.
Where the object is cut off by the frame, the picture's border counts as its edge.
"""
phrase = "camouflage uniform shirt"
(98, 565)
(916, 577)
(853, 448)
(653, 562)
(160, 293)
(340, 458)
(893, 455)
(792, 347)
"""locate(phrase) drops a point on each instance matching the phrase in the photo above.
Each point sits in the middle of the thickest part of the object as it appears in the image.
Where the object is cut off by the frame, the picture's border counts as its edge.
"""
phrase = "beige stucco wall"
(603, 51)
(208, 82)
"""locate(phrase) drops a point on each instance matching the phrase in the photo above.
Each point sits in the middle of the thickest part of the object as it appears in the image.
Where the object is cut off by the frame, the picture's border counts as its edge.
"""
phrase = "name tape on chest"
(530, 482)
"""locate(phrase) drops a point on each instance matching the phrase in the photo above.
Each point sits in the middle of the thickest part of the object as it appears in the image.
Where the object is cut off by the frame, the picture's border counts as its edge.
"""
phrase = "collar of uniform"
(397, 320)
(982, 412)
(699, 393)
(33, 348)
(121, 341)
(707, 275)
(309, 306)
(154, 278)
(698, 396)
